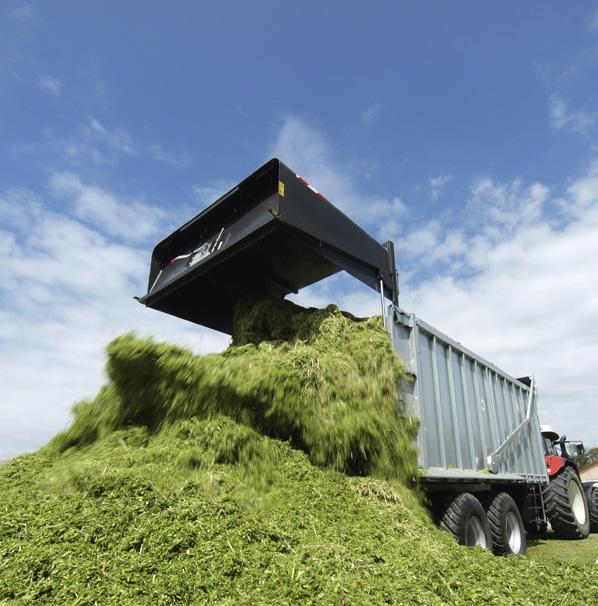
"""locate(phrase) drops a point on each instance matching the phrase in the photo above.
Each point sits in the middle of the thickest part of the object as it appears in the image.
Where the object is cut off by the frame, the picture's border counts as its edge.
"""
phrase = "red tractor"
(571, 506)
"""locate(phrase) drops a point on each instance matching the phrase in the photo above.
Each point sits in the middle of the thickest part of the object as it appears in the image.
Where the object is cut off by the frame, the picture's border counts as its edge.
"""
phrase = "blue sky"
(466, 132)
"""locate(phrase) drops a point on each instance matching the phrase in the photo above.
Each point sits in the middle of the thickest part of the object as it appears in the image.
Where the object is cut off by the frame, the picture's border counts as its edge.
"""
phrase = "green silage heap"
(274, 473)
(319, 378)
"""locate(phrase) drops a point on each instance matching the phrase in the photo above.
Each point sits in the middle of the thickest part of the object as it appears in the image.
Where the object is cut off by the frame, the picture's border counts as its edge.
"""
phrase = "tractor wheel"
(506, 525)
(566, 505)
(466, 520)
(593, 504)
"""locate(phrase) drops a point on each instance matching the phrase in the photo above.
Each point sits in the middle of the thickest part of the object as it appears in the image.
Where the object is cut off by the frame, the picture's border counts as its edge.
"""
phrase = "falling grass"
(321, 379)
(186, 482)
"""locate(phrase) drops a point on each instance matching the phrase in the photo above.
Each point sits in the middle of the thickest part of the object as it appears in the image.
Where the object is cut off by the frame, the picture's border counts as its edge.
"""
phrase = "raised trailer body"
(477, 423)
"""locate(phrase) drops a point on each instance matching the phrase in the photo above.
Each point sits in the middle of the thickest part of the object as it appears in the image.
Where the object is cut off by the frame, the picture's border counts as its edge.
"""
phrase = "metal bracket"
(493, 460)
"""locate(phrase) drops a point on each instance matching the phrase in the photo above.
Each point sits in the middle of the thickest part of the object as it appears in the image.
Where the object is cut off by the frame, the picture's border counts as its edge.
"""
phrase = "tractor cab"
(558, 451)
(549, 438)
(559, 446)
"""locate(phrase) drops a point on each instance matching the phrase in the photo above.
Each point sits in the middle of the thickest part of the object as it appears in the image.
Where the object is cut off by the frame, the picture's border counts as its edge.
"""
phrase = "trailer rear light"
(304, 182)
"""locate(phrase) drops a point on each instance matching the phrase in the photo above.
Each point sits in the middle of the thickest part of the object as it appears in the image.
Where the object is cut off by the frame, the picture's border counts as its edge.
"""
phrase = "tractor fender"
(554, 464)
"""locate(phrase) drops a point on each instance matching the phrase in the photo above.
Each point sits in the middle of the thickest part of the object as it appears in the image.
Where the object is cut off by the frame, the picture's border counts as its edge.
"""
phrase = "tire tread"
(558, 507)
(458, 511)
(500, 505)
(593, 506)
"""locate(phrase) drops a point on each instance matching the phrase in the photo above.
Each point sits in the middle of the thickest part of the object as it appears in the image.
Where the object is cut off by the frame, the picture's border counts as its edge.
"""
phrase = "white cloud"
(89, 147)
(181, 160)
(582, 194)
(593, 22)
(420, 241)
(529, 301)
(343, 291)
(52, 86)
(117, 138)
(562, 117)
(129, 219)
(501, 207)
(96, 144)
(17, 205)
(372, 114)
(67, 289)
(207, 194)
(427, 244)
(437, 184)
(75, 151)
(305, 150)
(23, 13)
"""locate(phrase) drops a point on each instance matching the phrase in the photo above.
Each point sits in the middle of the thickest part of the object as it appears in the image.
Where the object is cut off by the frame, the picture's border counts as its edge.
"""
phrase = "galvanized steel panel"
(474, 417)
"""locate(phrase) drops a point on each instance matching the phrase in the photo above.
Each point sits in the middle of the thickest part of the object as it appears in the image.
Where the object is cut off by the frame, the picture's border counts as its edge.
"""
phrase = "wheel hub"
(513, 532)
(474, 533)
(576, 499)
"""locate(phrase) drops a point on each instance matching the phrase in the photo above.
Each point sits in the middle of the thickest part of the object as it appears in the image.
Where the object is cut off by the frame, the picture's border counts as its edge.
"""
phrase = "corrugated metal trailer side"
(476, 422)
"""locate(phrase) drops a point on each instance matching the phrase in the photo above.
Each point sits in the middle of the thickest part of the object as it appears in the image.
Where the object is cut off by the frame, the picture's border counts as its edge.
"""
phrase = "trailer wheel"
(566, 505)
(506, 526)
(593, 504)
(466, 520)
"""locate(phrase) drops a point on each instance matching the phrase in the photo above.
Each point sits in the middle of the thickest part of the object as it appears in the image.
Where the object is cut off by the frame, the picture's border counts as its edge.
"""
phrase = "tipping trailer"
(480, 449)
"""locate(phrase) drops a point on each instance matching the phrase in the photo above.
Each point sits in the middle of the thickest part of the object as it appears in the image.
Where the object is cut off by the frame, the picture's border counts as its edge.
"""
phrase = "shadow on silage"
(318, 378)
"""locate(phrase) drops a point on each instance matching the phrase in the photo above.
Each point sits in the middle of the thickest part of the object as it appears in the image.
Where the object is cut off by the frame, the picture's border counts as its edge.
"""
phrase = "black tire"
(506, 526)
(593, 503)
(569, 520)
(466, 520)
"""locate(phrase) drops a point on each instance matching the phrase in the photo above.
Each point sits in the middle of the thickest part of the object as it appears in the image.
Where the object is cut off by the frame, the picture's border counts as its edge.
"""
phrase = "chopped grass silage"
(320, 378)
(159, 494)
(549, 547)
(164, 518)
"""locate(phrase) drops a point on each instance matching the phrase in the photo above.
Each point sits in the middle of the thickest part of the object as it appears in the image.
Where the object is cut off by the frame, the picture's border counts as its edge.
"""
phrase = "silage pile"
(278, 472)
(321, 379)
